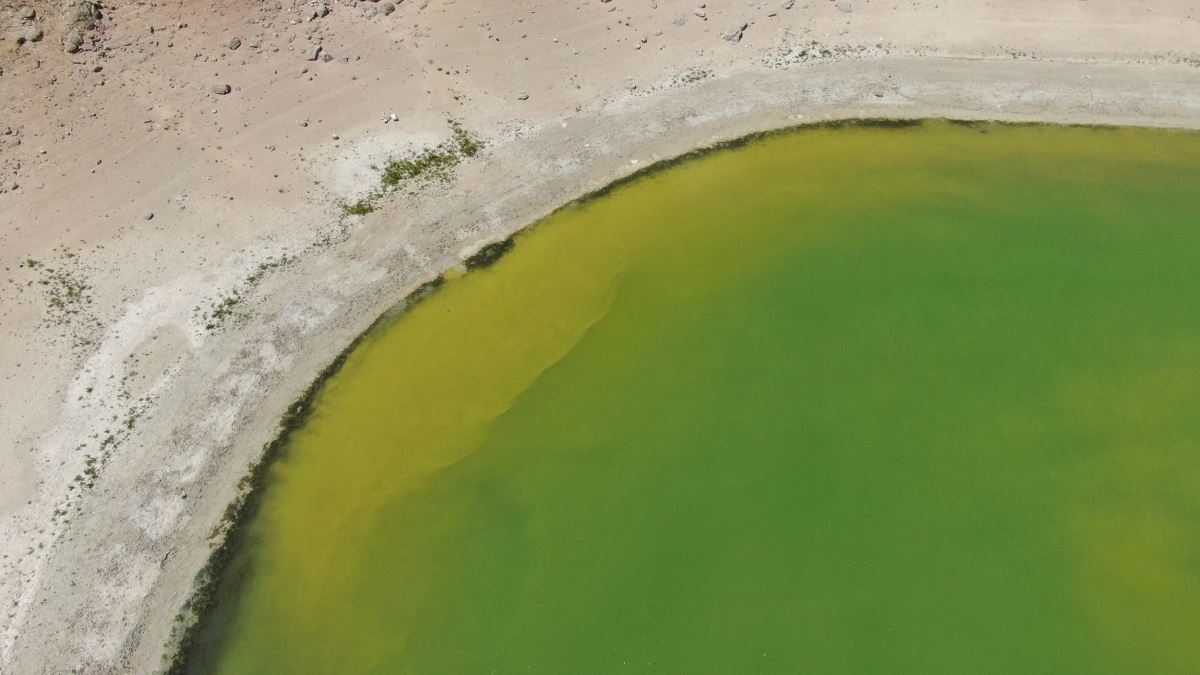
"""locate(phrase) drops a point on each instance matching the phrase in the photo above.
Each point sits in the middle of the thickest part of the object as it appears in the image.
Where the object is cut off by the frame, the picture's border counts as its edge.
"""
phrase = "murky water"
(843, 400)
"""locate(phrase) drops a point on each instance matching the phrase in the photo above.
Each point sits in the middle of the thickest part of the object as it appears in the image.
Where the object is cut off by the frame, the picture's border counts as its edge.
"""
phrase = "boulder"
(734, 34)
(73, 41)
(81, 14)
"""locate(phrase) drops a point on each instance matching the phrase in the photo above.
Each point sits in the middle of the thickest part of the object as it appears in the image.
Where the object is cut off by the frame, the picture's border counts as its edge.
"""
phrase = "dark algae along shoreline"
(901, 395)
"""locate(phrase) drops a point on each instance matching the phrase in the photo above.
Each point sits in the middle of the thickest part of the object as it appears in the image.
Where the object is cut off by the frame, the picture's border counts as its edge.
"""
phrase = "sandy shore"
(146, 199)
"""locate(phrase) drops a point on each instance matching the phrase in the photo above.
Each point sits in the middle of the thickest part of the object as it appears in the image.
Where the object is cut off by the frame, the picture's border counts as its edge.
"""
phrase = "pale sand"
(96, 590)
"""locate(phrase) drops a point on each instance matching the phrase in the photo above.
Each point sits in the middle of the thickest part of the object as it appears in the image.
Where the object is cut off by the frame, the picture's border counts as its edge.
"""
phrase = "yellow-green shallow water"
(857, 400)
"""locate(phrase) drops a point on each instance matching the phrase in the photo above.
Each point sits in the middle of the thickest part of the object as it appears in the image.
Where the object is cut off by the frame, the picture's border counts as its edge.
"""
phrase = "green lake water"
(841, 400)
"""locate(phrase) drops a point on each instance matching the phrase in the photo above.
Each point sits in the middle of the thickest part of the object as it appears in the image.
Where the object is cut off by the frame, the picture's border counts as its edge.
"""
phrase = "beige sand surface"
(147, 199)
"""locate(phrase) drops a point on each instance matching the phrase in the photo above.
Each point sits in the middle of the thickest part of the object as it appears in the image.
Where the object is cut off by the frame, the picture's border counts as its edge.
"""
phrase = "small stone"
(235, 43)
(313, 53)
(221, 89)
(522, 97)
(327, 57)
(28, 13)
(323, 11)
(388, 8)
(149, 216)
(303, 123)
(846, 6)
(787, 4)
(34, 34)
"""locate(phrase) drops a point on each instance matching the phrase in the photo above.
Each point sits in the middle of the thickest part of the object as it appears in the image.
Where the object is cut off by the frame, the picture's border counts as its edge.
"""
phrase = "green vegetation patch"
(69, 297)
(435, 164)
(228, 306)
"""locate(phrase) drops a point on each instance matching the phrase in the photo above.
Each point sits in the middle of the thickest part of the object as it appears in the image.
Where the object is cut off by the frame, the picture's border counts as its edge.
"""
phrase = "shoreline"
(257, 586)
(251, 487)
(100, 596)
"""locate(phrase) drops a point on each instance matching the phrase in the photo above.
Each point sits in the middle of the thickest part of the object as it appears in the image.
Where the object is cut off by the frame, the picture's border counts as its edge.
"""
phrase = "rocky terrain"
(202, 203)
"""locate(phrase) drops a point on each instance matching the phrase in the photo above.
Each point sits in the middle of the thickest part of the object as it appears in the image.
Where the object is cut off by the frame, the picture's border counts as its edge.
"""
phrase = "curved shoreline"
(245, 505)
(255, 596)
(310, 311)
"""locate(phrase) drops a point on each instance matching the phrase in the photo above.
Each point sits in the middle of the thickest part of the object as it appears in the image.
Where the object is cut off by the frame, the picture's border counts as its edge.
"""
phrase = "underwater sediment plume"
(854, 398)
(435, 336)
